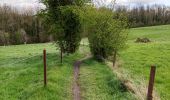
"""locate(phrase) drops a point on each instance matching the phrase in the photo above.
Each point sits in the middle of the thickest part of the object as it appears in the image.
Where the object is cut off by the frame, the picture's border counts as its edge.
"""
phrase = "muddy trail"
(76, 86)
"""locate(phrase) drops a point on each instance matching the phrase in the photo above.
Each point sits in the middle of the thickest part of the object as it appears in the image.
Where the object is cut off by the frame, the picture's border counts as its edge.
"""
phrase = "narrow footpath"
(76, 86)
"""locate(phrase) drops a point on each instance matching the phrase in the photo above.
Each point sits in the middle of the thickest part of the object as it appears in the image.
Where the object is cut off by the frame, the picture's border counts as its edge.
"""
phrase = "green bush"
(107, 34)
(4, 38)
(16, 38)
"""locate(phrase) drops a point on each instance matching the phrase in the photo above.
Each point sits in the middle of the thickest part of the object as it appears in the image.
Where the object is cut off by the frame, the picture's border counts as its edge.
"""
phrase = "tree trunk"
(114, 58)
(37, 30)
(61, 54)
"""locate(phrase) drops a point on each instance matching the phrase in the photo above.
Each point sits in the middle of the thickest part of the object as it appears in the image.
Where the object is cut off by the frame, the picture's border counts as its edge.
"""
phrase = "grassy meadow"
(21, 75)
(21, 69)
(138, 57)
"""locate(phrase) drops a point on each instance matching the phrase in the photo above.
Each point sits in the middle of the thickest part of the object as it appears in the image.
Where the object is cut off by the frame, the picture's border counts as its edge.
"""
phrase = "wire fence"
(20, 60)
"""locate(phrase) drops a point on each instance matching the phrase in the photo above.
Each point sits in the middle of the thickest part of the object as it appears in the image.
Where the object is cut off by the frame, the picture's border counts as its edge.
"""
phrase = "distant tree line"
(19, 28)
(149, 15)
(26, 27)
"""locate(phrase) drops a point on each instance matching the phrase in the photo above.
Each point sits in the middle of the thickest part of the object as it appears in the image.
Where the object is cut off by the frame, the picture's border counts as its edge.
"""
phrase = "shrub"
(15, 38)
(108, 34)
(4, 38)
(143, 40)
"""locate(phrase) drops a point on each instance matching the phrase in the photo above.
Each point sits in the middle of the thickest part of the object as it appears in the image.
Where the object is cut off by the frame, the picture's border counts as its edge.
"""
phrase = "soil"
(76, 86)
(143, 40)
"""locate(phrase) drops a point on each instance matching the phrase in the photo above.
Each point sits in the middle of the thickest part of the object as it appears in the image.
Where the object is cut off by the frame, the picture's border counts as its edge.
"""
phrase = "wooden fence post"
(45, 68)
(151, 82)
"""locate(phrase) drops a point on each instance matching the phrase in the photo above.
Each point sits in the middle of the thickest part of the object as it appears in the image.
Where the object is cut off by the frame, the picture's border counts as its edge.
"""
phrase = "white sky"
(128, 2)
(35, 3)
(30, 4)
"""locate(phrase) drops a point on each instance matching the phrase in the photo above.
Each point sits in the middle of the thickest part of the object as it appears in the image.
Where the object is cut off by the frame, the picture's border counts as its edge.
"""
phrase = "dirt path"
(76, 87)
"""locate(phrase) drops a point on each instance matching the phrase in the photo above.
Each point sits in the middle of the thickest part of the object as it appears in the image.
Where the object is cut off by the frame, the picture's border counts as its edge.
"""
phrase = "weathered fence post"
(45, 68)
(151, 82)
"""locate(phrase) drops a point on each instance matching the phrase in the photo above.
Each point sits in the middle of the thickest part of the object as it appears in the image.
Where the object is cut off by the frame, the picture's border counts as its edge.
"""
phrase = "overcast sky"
(35, 3)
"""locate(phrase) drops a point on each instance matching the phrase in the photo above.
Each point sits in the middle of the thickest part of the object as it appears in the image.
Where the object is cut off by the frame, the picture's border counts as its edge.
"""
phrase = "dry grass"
(140, 89)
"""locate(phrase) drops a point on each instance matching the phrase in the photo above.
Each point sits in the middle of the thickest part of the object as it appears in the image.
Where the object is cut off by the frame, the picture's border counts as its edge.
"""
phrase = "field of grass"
(21, 75)
(138, 57)
(21, 69)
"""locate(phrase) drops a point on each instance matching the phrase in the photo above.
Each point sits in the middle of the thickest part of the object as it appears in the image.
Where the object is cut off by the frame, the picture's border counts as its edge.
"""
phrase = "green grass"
(155, 33)
(138, 57)
(21, 73)
(98, 82)
(21, 69)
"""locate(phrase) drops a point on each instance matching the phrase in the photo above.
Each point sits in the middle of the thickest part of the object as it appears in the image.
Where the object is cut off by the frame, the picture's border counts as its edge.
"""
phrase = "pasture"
(21, 69)
(138, 57)
(21, 75)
